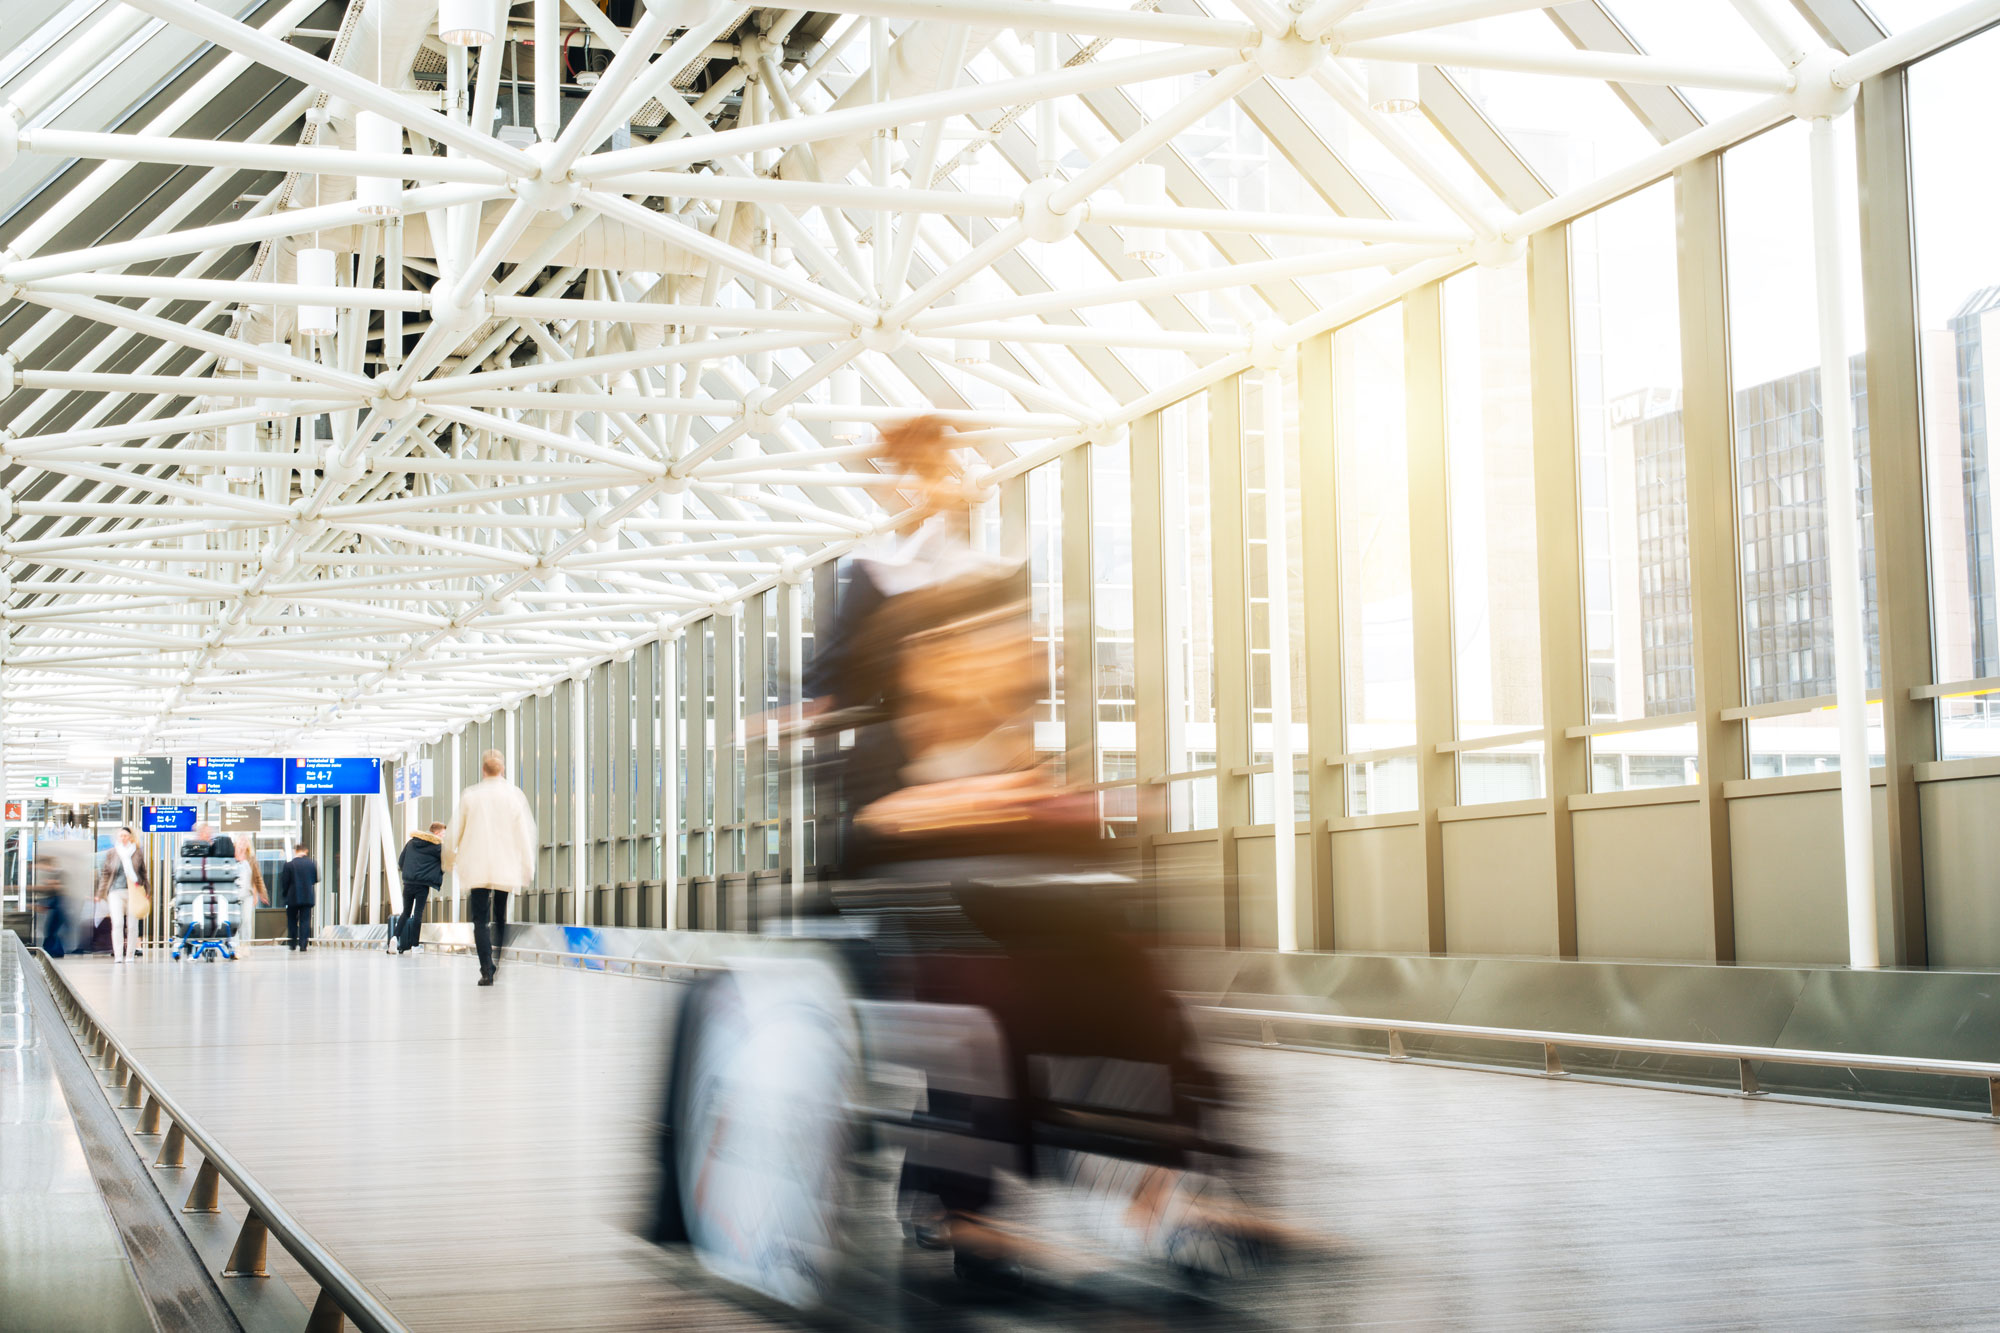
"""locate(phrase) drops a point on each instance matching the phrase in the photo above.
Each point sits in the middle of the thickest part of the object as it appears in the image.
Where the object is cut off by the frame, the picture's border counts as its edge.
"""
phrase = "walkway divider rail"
(1744, 1056)
(341, 1294)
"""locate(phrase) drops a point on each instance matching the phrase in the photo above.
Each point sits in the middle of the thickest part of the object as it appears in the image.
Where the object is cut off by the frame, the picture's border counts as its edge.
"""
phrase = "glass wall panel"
(1372, 505)
(1632, 487)
(1117, 681)
(1257, 517)
(1045, 507)
(1190, 605)
(1496, 628)
(1780, 466)
(1958, 306)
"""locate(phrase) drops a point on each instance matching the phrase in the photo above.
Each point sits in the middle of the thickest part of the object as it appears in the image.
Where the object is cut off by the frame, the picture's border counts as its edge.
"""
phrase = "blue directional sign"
(333, 777)
(167, 819)
(235, 777)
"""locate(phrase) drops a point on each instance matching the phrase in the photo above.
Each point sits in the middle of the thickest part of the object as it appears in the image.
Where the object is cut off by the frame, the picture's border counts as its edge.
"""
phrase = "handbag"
(140, 903)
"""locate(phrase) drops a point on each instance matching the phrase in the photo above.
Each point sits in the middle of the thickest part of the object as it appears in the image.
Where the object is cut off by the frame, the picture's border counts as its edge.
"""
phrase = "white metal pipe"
(1612, 66)
(1387, 20)
(1141, 143)
(903, 110)
(1041, 15)
(1850, 646)
(1917, 40)
(308, 160)
(1178, 284)
(290, 222)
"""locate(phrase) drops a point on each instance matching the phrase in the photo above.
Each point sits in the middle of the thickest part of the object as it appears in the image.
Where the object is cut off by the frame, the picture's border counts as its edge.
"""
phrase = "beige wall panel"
(1785, 853)
(1190, 889)
(1256, 893)
(1500, 886)
(1961, 822)
(1640, 883)
(1379, 900)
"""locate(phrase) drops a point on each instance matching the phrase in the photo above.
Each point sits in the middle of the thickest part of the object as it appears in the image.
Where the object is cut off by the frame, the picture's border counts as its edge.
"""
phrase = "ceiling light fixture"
(466, 22)
(379, 136)
(315, 270)
(1392, 86)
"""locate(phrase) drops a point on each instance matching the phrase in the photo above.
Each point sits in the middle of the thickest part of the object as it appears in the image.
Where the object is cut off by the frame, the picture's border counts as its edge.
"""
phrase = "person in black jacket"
(422, 868)
(301, 877)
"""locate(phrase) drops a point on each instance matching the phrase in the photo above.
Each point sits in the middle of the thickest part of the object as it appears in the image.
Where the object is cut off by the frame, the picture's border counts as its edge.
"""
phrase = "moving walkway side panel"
(1949, 1015)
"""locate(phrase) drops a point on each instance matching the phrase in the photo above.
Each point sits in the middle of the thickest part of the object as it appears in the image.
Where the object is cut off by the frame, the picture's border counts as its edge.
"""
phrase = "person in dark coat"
(422, 868)
(301, 879)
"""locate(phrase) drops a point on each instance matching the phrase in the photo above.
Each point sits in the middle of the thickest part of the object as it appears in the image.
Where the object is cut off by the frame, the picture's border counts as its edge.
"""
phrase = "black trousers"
(489, 921)
(299, 926)
(414, 898)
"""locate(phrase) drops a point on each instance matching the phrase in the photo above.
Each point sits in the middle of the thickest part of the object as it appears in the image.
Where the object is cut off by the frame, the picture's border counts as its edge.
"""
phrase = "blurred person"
(971, 848)
(298, 885)
(250, 876)
(490, 845)
(63, 878)
(219, 844)
(421, 865)
(120, 875)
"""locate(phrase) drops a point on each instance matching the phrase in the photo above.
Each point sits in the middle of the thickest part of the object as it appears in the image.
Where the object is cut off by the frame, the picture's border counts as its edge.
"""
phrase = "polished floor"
(62, 1265)
(478, 1155)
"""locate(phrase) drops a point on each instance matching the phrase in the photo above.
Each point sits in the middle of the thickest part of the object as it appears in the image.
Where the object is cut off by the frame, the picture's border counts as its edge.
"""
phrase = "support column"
(791, 694)
(1232, 642)
(672, 710)
(1708, 435)
(1430, 584)
(727, 815)
(1895, 433)
(1558, 563)
(1326, 721)
(579, 795)
(756, 805)
(1278, 591)
(1843, 545)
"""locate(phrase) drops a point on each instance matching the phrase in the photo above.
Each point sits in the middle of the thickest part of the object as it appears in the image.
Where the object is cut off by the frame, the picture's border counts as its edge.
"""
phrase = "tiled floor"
(61, 1264)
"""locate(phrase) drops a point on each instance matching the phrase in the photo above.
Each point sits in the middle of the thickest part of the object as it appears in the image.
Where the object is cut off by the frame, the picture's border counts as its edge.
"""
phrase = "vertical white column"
(670, 790)
(456, 749)
(344, 881)
(548, 90)
(795, 740)
(1284, 842)
(579, 768)
(1850, 648)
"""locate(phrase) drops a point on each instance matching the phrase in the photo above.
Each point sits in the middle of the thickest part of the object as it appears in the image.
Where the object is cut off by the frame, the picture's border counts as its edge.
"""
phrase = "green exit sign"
(43, 781)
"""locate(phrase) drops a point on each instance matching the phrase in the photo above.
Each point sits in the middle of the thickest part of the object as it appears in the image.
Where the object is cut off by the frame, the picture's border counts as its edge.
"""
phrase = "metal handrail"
(340, 1292)
(1744, 1056)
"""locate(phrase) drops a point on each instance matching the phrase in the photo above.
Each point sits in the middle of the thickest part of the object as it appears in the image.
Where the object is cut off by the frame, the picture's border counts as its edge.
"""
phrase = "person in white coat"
(491, 847)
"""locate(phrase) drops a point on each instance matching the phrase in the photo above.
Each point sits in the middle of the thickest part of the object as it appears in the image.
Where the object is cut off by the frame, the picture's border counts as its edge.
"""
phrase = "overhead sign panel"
(333, 777)
(167, 819)
(413, 780)
(235, 777)
(143, 775)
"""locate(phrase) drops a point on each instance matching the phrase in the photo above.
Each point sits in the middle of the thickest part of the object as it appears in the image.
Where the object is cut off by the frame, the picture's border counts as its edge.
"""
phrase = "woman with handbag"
(122, 884)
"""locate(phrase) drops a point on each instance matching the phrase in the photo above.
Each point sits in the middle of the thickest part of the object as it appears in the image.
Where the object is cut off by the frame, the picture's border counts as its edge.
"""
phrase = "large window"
(1781, 514)
(1372, 498)
(1257, 527)
(1958, 316)
(1190, 609)
(1116, 685)
(1045, 572)
(1638, 624)
(1496, 631)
